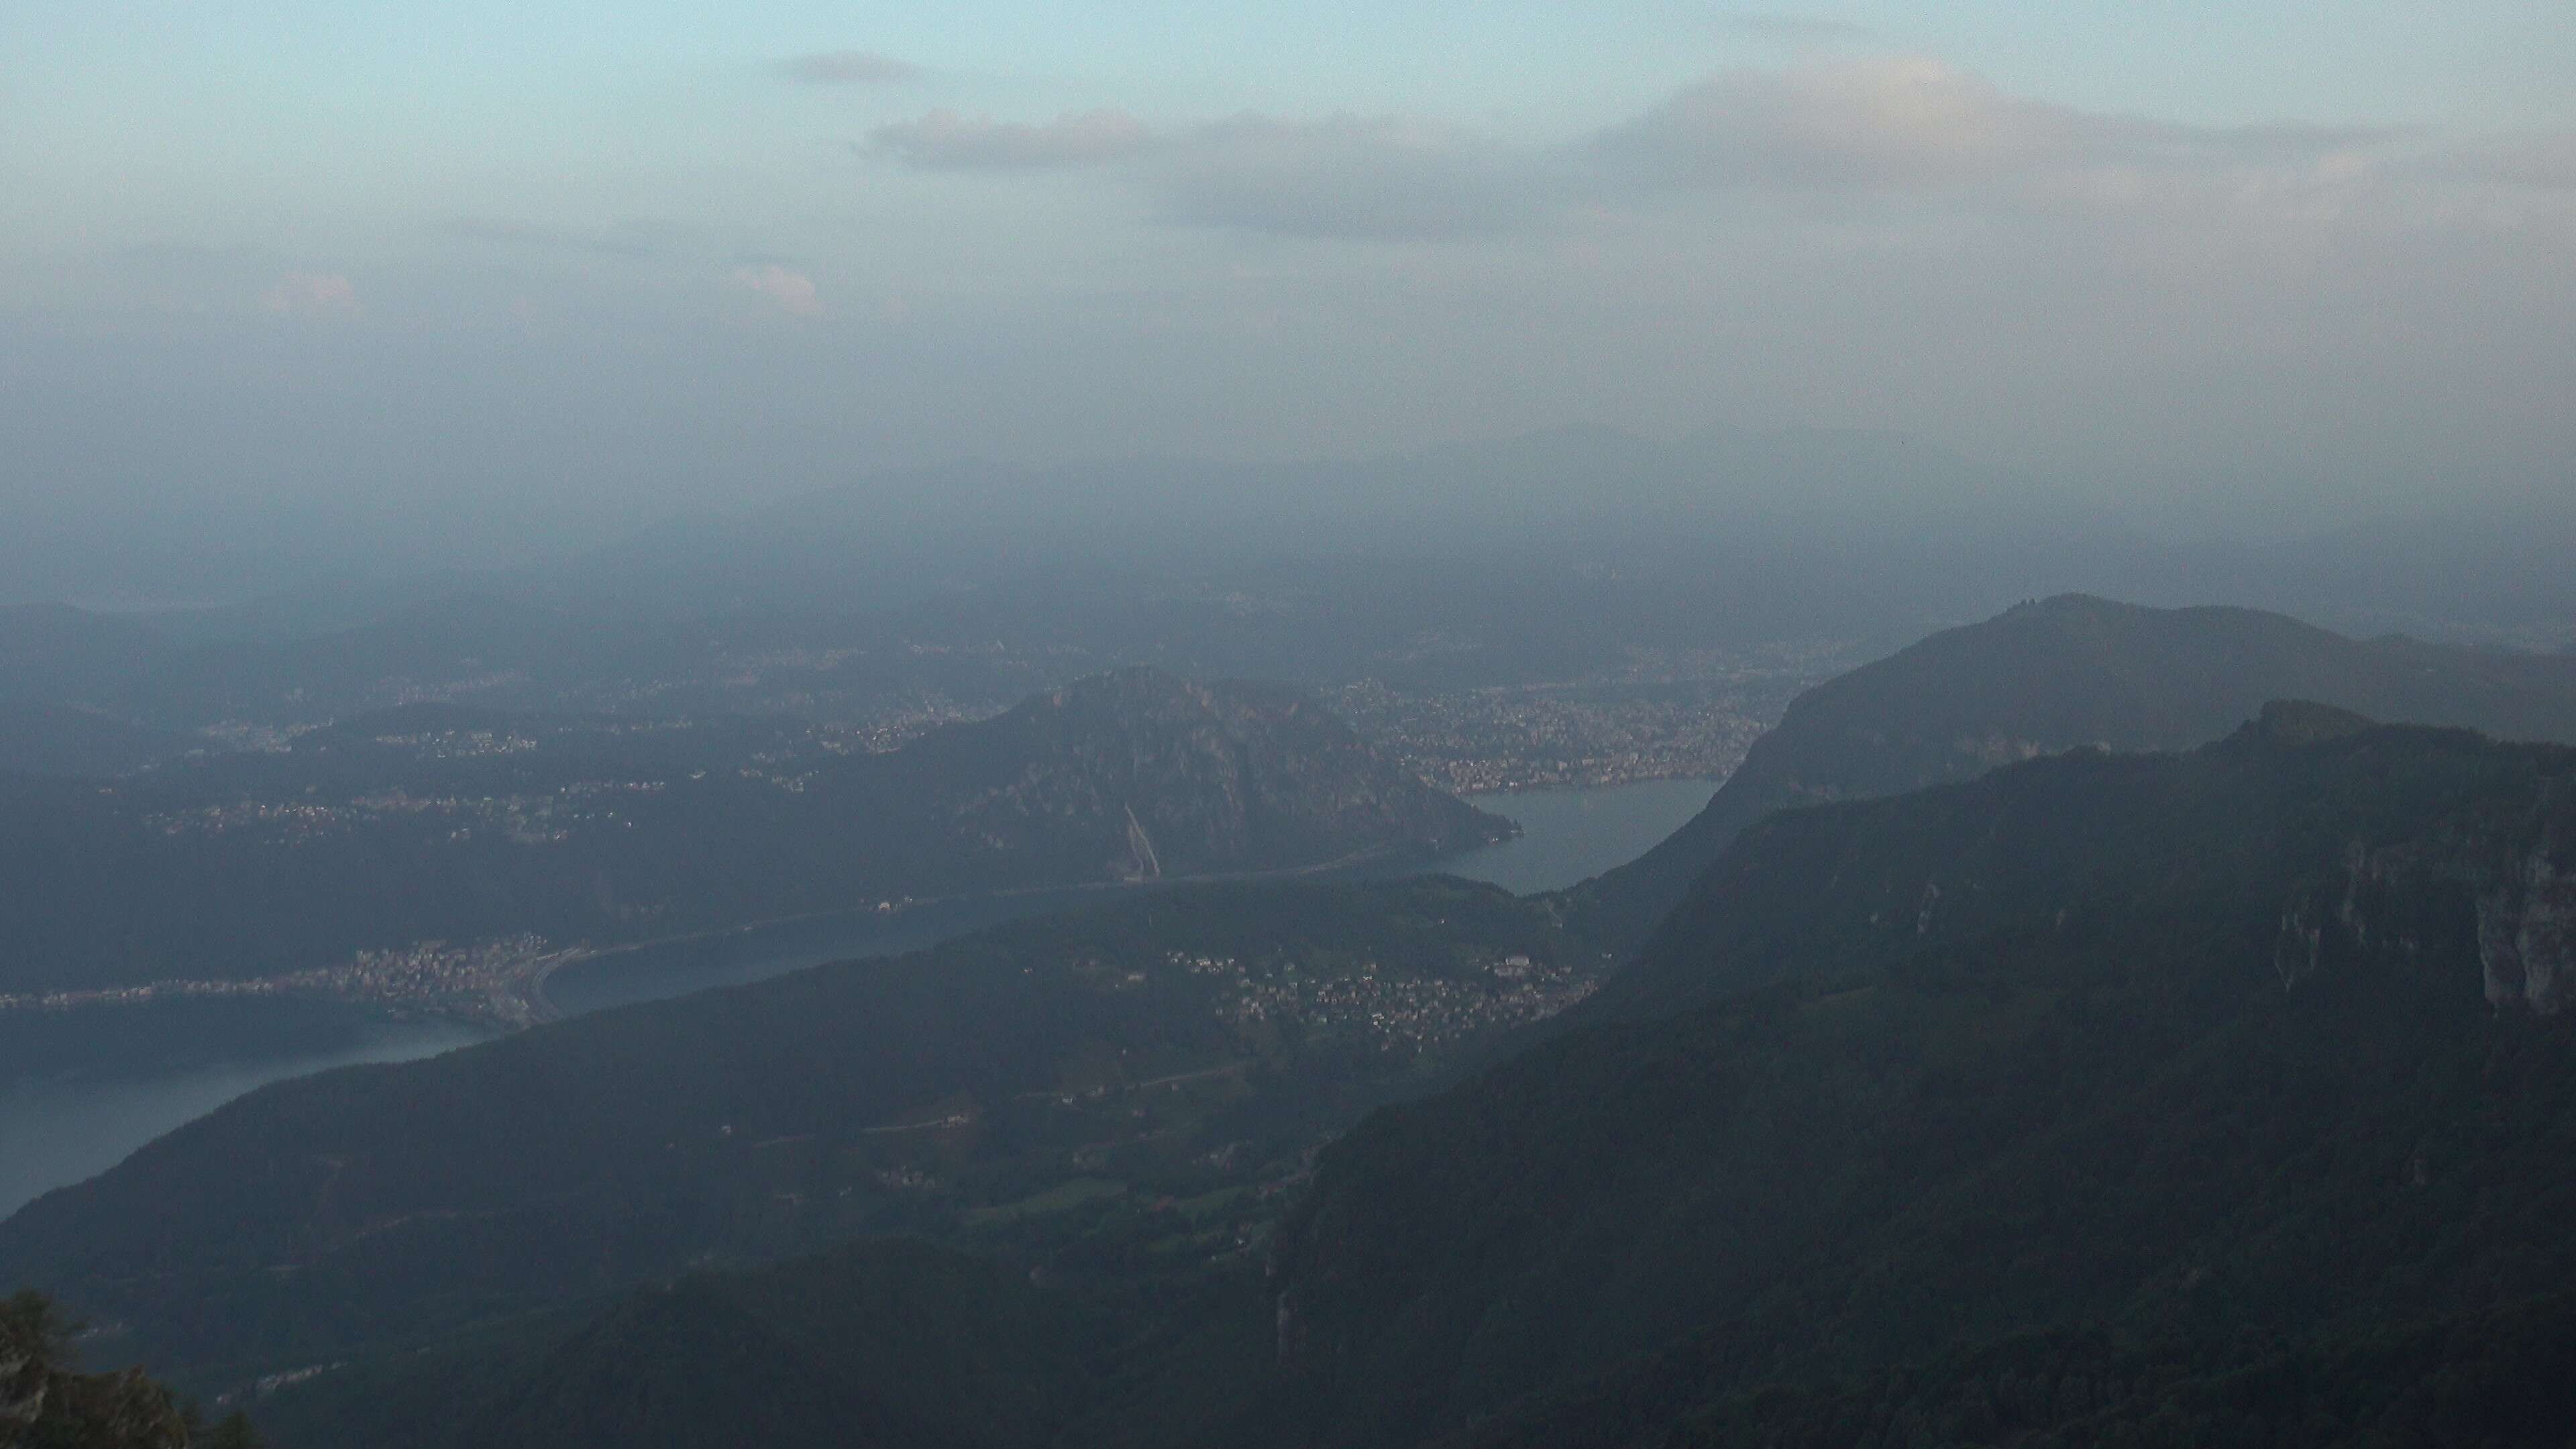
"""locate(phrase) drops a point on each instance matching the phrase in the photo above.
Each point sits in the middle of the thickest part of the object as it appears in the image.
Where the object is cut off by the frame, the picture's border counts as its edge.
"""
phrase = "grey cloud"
(2541, 163)
(2284, 138)
(1901, 123)
(848, 68)
(946, 140)
(1380, 178)
(1874, 125)
(1377, 177)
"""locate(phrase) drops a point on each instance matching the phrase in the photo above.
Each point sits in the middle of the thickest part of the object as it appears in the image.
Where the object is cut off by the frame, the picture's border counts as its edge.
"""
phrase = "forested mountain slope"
(1104, 1091)
(2150, 1100)
(889, 1341)
(2264, 1044)
(2143, 1099)
(434, 823)
(2069, 671)
(52, 739)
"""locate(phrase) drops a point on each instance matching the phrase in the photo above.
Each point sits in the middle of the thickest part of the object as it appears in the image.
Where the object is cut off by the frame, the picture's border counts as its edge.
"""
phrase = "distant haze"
(292, 292)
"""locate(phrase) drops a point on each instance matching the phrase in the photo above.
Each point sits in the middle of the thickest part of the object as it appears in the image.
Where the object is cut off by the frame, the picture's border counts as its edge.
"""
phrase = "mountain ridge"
(2174, 1117)
(2071, 670)
(438, 823)
(2178, 1040)
(1186, 1044)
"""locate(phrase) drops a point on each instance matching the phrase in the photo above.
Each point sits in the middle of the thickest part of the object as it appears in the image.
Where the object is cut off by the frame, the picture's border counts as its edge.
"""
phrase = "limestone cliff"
(2503, 887)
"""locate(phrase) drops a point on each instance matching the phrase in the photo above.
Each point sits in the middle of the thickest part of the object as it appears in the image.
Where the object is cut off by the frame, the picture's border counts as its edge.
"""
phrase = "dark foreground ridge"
(1115, 1091)
(2240, 1060)
(2153, 1100)
(47, 1401)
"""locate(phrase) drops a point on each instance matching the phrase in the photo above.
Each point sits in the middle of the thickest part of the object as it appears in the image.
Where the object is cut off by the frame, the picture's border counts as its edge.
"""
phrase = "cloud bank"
(1364, 177)
(323, 293)
(1382, 177)
(1896, 124)
(1843, 239)
(791, 292)
(946, 140)
(1886, 126)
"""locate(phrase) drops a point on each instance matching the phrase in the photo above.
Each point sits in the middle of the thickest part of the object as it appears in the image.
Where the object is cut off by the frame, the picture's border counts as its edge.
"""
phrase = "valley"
(1597, 1171)
(1002, 726)
(511, 839)
(1730, 1163)
(84, 1090)
(1193, 1042)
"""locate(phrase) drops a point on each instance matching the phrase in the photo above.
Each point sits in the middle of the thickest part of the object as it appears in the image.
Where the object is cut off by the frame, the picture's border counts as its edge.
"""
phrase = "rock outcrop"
(2527, 935)
(2506, 892)
(45, 1402)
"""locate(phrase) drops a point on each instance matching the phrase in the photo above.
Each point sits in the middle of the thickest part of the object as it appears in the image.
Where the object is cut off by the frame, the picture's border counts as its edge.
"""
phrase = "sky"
(476, 271)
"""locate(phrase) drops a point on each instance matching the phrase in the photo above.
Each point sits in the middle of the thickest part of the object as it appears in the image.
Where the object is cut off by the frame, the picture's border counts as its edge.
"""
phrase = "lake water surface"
(1566, 836)
(58, 1130)
(1573, 835)
(83, 1097)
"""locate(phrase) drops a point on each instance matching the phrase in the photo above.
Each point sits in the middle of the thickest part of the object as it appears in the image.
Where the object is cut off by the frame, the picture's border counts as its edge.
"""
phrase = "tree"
(35, 1345)
(44, 1404)
(233, 1431)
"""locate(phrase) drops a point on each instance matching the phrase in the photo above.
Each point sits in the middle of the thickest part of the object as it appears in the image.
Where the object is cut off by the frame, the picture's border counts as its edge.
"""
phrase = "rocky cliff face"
(22, 1391)
(44, 1403)
(2527, 935)
(2341, 838)
(2504, 891)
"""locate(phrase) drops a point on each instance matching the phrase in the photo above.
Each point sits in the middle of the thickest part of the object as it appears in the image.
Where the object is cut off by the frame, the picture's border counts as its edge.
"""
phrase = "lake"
(59, 1127)
(1566, 836)
(1574, 835)
(65, 1114)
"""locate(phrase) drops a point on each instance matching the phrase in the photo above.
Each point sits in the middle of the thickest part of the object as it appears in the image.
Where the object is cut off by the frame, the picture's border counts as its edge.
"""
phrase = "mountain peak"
(1164, 775)
(2076, 603)
(1127, 683)
(2070, 670)
(2306, 722)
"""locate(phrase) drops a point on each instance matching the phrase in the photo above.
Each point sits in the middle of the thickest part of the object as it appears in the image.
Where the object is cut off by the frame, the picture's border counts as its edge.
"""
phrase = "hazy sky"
(621, 257)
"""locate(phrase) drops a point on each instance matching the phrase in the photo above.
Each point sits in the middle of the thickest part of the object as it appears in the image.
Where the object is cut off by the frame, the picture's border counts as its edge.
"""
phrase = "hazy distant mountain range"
(1917, 531)
(433, 823)
(1422, 624)
(61, 739)
(1537, 558)
(892, 536)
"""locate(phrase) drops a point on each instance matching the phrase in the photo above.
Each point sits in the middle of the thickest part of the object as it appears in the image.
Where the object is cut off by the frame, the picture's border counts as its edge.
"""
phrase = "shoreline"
(519, 999)
(544, 1009)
